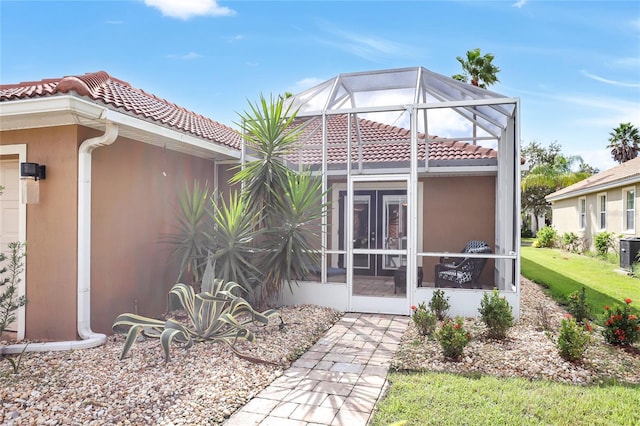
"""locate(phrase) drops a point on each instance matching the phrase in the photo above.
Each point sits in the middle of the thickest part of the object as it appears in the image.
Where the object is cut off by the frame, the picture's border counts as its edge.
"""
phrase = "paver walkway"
(336, 382)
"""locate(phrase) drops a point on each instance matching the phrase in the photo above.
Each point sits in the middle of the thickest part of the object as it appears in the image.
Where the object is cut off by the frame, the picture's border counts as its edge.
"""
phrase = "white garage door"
(9, 206)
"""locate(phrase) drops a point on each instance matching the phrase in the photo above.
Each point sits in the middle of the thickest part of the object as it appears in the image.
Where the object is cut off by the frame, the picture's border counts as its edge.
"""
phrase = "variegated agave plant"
(215, 314)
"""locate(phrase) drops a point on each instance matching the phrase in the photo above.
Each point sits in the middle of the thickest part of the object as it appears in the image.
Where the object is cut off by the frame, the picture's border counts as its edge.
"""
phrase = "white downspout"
(89, 338)
(84, 231)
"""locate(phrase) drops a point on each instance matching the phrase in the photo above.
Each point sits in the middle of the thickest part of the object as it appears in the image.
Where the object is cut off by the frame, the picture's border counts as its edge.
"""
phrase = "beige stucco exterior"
(134, 196)
(456, 210)
(566, 214)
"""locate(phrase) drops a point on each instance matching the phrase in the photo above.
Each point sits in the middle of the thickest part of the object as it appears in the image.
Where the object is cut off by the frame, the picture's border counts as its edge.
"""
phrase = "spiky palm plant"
(190, 240)
(232, 242)
(288, 250)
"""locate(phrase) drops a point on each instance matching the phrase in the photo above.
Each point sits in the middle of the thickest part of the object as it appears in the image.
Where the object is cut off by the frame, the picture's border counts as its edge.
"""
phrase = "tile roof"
(121, 96)
(620, 174)
(380, 142)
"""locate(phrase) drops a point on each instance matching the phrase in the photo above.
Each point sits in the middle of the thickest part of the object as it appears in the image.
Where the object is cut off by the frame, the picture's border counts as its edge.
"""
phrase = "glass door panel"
(362, 233)
(394, 229)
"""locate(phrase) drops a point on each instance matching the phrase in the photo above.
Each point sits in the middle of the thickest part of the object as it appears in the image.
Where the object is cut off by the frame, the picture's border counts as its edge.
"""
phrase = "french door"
(379, 222)
(374, 233)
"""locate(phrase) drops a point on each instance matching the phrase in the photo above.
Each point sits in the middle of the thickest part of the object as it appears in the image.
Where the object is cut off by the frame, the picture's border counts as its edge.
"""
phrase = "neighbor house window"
(602, 210)
(629, 197)
(582, 211)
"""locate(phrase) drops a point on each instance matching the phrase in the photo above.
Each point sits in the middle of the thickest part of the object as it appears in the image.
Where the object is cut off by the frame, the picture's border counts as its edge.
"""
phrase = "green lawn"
(563, 273)
(448, 399)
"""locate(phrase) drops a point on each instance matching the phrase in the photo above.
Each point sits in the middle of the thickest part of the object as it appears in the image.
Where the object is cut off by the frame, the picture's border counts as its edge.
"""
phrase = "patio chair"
(464, 273)
(471, 245)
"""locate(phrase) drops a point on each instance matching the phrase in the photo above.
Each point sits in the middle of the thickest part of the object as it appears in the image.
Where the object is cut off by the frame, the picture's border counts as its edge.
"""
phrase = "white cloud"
(366, 46)
(632, 62)
(185, 57)
(235, 38)
(307, 83)
(607, 81)
(599, 158)
(603, 111)
(185, 9)
(520, 4)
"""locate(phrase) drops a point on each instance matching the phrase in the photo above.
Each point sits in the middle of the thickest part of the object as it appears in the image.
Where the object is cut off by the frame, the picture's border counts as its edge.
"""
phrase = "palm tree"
(546, 178)
(478, 69)
(624, 142)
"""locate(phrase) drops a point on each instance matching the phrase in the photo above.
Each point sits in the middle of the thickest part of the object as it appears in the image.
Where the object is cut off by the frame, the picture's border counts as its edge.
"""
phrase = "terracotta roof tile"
(380, 143)
(120, 95)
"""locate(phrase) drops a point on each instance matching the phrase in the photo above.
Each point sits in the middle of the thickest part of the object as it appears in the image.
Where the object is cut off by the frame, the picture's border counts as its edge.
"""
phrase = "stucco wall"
(51, 262)
(456, 210)
(135, 197)
(566, 214)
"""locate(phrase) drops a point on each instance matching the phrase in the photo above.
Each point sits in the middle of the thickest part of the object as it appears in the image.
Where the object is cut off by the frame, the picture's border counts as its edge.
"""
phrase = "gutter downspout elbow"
(84, 231)
(89, 338)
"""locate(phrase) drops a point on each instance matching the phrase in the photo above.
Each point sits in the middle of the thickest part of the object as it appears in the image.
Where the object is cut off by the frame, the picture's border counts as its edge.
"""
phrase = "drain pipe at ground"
(89, 338)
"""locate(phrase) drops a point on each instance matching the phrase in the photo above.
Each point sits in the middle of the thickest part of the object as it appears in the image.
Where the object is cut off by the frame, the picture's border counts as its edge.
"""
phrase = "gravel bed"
(526, 352)
(202, 385)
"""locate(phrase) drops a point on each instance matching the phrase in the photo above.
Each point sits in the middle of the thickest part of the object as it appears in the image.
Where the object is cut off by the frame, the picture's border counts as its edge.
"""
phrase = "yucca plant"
(288, 250)
(232, 242)
(288, 203)
(190, 241)
(215, 314)
(270, 137)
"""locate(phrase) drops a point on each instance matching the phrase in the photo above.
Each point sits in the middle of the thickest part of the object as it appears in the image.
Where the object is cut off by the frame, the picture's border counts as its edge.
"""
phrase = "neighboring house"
(607, 201)
(398, 200)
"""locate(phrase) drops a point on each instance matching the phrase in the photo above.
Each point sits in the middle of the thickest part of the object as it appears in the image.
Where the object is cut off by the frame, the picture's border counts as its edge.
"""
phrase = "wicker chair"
(462, 272)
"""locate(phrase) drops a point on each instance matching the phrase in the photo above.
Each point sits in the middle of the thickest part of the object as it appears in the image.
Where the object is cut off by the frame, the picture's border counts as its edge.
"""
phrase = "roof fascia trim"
(93, 111)
(596, 188)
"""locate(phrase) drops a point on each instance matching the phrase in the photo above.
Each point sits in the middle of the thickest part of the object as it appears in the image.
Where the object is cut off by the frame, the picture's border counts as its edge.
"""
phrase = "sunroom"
(421, 174)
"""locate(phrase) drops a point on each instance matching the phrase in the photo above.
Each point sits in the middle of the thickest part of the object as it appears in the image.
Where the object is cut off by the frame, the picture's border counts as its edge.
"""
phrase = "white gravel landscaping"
(199, 386)
(526, 352)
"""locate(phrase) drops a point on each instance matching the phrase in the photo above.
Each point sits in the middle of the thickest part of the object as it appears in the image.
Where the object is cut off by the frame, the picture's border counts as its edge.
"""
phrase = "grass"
(563, 273)
(448, 399)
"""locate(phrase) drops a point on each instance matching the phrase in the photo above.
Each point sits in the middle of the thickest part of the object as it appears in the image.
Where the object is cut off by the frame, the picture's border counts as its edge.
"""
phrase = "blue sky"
(574, 65)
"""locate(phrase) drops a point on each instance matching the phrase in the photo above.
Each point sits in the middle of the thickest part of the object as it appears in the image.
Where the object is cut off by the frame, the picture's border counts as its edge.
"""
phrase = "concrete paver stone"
(338, 381)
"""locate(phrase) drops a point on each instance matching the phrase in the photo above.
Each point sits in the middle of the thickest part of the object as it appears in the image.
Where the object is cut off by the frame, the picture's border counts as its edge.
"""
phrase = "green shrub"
(572, 242)
(497, 315)
(603, 241)
(547, 237)
(573, 338)
(453, 338)
(578, 307)
(621, 327)
(439, 304)
(424, 319)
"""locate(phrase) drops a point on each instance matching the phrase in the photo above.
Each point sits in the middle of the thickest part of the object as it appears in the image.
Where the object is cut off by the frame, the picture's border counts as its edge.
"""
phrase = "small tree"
(624, 142)
(10, 302)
